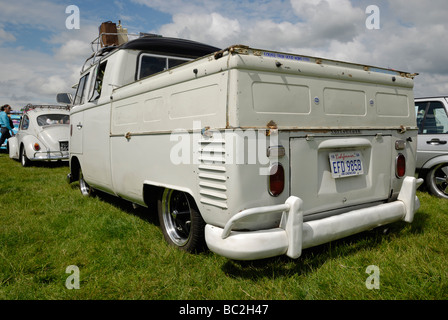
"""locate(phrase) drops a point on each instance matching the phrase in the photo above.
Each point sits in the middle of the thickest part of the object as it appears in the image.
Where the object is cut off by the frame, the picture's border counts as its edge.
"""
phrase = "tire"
(84, 187)
(437, 180)
(23, 158)
(181, 223)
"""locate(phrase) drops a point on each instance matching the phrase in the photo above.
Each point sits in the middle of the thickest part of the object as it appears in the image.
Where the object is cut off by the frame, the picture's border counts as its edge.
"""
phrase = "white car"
(432, 147)
(43, 134)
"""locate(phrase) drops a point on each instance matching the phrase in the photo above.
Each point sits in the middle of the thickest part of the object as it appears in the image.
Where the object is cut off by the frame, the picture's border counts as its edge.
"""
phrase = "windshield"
(50, 119)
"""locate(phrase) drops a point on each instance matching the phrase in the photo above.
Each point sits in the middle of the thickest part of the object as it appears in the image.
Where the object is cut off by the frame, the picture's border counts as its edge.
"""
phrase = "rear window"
(51, 119)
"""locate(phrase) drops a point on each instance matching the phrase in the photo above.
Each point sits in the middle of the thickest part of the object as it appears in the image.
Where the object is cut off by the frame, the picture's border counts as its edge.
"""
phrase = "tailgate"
(333, 173)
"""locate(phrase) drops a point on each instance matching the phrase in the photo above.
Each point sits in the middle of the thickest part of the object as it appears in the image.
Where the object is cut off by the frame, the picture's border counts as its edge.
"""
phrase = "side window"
(420, 109)
(150, 64)
(80, 92)
(25, 123)
(175, 62)
(99, 81)
(435, 119)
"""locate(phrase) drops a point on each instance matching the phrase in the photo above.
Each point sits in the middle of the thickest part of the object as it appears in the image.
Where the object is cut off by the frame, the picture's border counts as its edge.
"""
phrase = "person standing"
(5, 123)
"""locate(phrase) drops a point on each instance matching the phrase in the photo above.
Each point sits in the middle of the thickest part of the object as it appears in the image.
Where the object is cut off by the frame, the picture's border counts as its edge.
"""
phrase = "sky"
(40, 56)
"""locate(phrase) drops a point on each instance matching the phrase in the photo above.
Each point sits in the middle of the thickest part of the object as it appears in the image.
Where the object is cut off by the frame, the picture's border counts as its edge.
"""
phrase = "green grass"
(46, 226)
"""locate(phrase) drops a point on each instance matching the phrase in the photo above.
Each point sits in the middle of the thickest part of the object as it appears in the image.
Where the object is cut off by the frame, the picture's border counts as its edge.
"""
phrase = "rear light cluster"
(276, 179)
(400, 166)
(36, 146)
(276, 182)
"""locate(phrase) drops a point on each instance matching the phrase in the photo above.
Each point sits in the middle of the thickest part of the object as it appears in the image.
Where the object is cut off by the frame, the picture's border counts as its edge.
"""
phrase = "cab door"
(77, 115)
(432, 120)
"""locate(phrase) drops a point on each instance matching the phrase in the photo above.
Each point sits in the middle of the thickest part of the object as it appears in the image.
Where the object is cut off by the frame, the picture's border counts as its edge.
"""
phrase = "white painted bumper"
(293, 235)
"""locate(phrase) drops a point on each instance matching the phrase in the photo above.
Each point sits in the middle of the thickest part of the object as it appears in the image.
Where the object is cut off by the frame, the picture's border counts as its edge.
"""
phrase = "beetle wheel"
(180, 220)
(437, 180)
(23, 158)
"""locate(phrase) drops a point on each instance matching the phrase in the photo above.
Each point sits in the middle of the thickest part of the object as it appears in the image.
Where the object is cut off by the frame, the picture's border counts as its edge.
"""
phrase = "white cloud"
(212, 28)
(180, 6)
(48, 85)
(419, 13)
(36, 73)
(41, 14)
(73, 50)
(6, 36)
(29, 76)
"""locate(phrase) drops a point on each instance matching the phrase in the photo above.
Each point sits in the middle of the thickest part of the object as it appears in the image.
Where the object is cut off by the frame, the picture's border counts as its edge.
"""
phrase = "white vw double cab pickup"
(253, 152)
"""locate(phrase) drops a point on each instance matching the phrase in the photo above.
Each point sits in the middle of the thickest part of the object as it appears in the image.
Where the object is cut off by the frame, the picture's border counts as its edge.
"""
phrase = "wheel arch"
(435, 161)
(13, 147)
(152, 191)
(75, 165)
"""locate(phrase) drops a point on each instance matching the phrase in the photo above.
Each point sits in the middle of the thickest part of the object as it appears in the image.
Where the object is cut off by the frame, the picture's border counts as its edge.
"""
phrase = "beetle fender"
(13, 145)
(28, 143)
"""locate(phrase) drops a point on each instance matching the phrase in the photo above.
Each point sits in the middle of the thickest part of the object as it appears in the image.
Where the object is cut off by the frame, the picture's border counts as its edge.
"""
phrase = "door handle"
(79, 126)
(436, 141)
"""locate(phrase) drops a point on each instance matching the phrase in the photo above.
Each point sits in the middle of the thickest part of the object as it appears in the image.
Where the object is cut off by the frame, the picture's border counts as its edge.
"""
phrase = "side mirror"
(64, 98)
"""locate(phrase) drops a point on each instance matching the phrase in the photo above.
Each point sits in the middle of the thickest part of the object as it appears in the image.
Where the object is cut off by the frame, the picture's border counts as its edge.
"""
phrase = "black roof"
(170, 46)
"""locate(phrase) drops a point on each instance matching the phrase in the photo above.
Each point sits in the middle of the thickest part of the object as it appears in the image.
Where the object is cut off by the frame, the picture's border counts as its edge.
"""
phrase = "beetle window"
(80, 92)
(52, 119)
(25, 123)
(150, 64)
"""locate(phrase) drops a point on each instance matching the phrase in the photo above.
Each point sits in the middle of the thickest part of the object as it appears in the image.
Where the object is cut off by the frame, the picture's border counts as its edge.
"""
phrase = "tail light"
(400, 166)
(36, 146)
(276, 179)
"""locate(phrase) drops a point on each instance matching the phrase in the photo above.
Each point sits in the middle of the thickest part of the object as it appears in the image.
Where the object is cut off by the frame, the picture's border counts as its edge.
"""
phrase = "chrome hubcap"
(176, 216)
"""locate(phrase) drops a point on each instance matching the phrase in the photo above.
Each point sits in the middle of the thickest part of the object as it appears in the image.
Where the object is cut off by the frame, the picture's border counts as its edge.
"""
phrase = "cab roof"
(170, 46)
(157, 45)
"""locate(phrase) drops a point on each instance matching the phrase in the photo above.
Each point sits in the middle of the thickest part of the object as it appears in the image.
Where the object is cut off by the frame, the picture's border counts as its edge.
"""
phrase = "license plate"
(346, 164)
(63, 145)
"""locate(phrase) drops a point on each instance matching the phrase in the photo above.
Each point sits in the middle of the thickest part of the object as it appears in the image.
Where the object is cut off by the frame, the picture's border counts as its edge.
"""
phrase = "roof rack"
(100, 47)
(30, 107)
(112, 38)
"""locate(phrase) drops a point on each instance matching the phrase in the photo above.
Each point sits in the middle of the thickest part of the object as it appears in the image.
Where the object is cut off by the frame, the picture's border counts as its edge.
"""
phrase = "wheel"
(23, 158)
(180, 221)
(86, 190)
(437, 180)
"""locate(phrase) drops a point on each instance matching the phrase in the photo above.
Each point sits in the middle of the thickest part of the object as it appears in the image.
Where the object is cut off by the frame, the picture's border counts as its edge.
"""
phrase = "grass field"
(47, 226)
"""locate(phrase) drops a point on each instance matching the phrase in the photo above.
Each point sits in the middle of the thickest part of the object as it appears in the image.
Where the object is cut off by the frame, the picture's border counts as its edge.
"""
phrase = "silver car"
(43, 135)
(432, 147)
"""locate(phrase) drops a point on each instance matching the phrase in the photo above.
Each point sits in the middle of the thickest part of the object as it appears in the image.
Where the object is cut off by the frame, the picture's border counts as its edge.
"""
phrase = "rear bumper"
(293, 235)
(50, 155)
